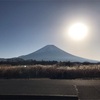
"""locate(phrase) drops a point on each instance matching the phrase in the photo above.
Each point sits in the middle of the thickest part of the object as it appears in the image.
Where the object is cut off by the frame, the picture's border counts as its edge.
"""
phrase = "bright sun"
(78, 31)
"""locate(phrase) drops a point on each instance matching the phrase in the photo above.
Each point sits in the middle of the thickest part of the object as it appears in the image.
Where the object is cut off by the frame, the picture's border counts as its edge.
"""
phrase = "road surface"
(81, 89)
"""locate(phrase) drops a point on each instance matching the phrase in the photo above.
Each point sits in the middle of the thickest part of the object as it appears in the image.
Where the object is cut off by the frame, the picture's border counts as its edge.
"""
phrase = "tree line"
(20, 61)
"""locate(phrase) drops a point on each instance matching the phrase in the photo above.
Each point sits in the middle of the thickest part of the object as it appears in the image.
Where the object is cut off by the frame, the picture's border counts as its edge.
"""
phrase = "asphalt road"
(88, 89)
(83, 89)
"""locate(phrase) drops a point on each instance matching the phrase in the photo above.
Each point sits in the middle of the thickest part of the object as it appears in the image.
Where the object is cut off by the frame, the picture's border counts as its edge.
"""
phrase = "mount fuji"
(53, 53)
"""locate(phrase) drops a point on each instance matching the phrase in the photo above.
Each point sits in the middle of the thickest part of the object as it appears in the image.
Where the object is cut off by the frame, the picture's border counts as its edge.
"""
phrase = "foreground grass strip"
(53, 72)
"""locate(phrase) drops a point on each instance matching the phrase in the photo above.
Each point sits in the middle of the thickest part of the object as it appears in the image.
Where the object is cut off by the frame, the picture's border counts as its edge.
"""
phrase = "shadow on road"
(34, 97)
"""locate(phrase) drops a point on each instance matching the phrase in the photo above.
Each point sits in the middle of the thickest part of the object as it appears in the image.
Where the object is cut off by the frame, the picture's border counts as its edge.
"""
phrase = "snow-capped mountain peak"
(50, 53)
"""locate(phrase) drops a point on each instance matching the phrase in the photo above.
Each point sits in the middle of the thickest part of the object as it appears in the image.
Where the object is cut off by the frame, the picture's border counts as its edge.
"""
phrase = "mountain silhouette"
(53, 53)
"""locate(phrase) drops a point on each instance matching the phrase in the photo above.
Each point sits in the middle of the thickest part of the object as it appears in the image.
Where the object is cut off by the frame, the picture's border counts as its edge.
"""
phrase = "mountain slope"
(50, 53)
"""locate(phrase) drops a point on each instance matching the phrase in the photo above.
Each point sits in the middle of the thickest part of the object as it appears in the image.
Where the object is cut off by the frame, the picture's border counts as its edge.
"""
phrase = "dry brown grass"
(50, 71)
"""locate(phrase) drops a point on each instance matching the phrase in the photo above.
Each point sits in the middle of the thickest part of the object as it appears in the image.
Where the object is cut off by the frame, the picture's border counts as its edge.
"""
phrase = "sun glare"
(78, 31)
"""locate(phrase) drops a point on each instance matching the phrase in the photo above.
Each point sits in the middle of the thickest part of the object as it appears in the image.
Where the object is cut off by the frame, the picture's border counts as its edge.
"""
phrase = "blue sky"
(27, 25)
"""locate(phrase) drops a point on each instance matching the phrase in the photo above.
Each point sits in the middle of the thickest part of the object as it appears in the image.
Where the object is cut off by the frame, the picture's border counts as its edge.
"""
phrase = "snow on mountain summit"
(50, 53)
